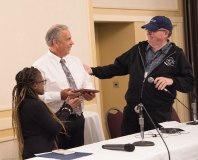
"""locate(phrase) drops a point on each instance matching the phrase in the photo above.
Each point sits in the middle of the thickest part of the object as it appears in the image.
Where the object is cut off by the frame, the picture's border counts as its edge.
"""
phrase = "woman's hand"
(74, 103)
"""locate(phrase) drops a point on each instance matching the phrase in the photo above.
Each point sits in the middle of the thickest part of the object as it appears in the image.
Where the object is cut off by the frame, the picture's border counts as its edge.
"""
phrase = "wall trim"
(126, 18)
(5, 123)
(165, 5)
(5, 108)
(10, 138)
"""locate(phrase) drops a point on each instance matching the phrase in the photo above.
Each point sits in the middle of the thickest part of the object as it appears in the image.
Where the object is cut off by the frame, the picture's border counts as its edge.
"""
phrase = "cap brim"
(150, 27)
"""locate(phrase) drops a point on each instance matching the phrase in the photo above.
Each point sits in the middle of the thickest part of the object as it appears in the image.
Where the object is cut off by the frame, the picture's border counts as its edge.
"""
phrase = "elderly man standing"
(157, 59)
(64, 73)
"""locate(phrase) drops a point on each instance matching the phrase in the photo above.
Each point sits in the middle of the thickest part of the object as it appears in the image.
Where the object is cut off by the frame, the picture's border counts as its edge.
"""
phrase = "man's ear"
(55, 42)
(167, 32)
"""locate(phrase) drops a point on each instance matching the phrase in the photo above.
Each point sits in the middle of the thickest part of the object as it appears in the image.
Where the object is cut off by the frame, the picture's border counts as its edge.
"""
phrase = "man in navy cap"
(152, 65)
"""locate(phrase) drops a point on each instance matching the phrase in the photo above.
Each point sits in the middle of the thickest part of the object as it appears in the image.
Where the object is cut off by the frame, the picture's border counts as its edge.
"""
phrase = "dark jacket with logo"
(174, 66)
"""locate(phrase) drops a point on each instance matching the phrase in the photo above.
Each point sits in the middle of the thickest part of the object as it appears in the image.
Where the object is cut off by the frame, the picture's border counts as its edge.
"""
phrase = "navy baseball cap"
(158, 22)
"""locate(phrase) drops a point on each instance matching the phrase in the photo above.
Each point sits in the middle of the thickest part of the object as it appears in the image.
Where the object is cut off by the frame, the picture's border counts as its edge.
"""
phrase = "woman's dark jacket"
(39, 128)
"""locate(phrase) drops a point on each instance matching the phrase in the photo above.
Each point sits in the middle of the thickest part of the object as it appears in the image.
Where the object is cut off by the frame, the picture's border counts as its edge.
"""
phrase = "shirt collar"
(54, 57)
(163, 48)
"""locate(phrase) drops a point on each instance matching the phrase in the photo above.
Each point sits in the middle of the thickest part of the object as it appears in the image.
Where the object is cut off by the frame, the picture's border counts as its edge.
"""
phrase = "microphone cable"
(182, 103)
(157, 130)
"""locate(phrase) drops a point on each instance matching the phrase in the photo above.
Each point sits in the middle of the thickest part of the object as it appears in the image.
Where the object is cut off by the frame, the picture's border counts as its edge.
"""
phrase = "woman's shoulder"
(29, 103)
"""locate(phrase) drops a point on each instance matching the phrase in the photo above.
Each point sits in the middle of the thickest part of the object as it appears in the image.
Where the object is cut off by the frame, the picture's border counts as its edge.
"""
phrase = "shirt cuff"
(91, 73)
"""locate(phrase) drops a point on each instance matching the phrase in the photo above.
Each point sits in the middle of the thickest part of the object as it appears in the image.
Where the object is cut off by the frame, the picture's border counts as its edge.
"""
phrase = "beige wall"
(22, 30)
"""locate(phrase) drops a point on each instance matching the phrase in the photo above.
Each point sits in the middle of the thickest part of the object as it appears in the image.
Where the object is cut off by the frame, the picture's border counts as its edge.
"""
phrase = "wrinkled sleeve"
(184, 80)
(118, 68)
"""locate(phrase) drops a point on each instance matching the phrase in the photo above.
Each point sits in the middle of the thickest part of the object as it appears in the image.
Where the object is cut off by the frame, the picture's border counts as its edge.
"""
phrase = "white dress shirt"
(51, 70)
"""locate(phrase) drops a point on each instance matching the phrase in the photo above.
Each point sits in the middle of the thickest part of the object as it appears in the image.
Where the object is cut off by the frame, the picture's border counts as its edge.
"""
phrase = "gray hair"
(54, 33)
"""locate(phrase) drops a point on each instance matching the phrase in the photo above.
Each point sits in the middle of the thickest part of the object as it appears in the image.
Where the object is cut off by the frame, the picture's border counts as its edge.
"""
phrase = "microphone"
(121, 147)
(193, 105)
(151, 80)
(194, 109)
(139, 109)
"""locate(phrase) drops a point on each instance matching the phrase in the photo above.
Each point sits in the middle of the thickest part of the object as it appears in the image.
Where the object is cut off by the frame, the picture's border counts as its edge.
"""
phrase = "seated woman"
(34, 124)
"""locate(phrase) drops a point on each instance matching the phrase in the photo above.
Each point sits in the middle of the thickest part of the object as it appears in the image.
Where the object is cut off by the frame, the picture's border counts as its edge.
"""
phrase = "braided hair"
(25, 80)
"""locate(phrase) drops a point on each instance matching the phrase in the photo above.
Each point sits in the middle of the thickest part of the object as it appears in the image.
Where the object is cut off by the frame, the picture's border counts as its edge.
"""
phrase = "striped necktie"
(71, 81)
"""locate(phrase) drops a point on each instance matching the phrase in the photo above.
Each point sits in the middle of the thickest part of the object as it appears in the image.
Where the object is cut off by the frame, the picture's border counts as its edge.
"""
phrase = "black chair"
(175, 117)
(113, 120)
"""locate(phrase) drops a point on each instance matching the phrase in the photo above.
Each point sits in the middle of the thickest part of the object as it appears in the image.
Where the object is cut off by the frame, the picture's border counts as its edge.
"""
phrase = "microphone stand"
(194, 109)
(141, 122)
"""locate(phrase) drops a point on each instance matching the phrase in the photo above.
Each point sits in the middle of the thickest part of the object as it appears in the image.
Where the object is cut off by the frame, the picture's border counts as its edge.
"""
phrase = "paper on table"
(65, 157)
(170, 124)
(41, 158)
(175, 124)
(63, 151)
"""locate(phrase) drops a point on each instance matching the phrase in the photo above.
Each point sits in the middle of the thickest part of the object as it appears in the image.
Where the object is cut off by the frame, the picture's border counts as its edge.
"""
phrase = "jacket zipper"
(144, 71)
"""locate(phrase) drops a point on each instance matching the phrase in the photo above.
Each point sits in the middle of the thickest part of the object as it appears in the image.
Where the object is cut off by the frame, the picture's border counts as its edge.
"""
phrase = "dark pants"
(130, 121)
(75, 129)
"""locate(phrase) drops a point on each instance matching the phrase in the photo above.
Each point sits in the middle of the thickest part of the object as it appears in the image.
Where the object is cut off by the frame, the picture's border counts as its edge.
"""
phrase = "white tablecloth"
(93, 128)
(181, 146)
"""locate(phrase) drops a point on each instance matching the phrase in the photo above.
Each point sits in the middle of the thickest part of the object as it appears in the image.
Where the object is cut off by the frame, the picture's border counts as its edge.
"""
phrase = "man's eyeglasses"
(162, 30)
(43, 81)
